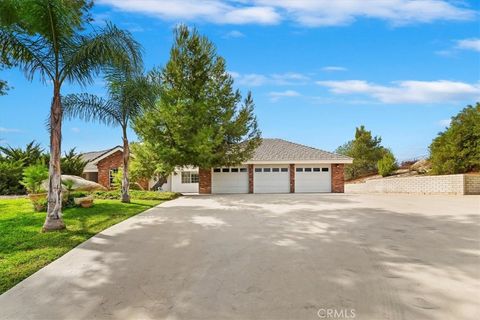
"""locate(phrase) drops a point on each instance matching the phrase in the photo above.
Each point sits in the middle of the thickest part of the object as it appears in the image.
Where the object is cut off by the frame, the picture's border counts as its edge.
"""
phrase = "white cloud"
(215, 11)
(234, 34)
(333, 68)
(408, 91)
(444, 122)
(75, 129)
(469, 44)
(313, 13)
(317, 13)
(280, 79)
(8, 130)
(276, 95)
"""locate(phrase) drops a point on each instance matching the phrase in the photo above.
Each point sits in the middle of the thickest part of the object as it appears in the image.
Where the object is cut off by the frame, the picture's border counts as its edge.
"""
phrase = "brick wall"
(114, 161)
(204, 181)
(445, 184)
(338, 178)
(250, 178)
(292, 178)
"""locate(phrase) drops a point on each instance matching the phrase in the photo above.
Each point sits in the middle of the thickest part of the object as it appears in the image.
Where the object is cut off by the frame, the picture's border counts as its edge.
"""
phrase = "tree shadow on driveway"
(265, 258)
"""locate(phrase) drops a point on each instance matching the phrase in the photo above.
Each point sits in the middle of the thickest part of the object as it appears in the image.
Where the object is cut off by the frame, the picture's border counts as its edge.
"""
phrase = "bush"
(387, 165)
(40, 205)
(33, 176)
(136, 194)
(68, 200)
(10, 175)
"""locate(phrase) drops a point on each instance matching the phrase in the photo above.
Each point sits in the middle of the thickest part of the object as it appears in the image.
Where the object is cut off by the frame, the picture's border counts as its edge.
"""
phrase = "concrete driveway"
(270, 257)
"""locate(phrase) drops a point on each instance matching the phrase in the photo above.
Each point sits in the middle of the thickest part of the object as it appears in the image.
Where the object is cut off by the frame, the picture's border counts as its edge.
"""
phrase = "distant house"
(277, 166)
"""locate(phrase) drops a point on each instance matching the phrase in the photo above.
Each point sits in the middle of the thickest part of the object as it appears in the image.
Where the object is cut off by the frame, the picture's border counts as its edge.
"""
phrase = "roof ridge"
(317, 149)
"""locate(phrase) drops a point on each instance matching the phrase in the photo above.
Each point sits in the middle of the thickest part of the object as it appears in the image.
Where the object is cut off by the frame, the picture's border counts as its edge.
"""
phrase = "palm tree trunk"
(126, 158)
(54, 220)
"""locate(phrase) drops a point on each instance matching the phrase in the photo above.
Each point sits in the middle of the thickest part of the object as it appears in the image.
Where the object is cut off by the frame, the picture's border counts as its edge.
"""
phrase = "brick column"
(292, 178)
(338, 178)
(250, 178)
(204, 181)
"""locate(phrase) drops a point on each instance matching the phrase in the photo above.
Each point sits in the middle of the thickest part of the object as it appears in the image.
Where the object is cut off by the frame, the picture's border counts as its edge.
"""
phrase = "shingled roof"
(93, 156)
(282, 150)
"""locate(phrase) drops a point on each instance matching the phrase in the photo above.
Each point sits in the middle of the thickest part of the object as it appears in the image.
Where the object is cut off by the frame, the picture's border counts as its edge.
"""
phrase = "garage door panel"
(313, 178)
(271, 179)
(230, 180)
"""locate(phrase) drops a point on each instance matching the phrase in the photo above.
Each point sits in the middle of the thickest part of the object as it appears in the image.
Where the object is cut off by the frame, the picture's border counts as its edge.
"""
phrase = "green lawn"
(24, 249)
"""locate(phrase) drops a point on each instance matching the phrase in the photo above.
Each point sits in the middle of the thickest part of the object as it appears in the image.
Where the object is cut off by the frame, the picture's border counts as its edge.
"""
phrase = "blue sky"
(316, 68)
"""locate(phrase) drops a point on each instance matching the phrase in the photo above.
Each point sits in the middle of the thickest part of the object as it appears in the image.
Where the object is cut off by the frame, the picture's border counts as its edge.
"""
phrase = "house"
(277, 166)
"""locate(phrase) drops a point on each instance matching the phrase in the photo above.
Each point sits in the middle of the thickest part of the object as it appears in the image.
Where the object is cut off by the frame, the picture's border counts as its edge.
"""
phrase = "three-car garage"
(274, 178)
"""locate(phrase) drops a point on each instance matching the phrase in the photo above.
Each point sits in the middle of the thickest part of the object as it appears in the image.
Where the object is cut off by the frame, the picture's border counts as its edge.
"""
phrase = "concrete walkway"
(270, 257)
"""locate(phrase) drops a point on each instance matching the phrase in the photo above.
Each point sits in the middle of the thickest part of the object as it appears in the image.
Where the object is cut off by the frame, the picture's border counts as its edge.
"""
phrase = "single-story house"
(277, 166)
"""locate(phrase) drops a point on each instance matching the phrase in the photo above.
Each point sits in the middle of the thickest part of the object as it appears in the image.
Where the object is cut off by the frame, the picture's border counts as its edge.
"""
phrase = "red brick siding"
(250, 178)
(292, 178)
(204, 181)
(338, 180)
(113, 161)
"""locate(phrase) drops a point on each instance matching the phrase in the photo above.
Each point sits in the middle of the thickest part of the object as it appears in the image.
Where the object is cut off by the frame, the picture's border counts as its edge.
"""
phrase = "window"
(275, 169)
(284, 169)
(299, 169)
(243, 169)
(266, 169)
(226, 170)
(189, 177)
(111, 177)
(324, 169)
(234, 170)
(216, 170)
(308, 169)
(258, 169)
(316, 169)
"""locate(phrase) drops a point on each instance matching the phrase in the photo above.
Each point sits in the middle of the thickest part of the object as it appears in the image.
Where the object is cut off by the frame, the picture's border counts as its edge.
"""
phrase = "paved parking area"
(291, 256)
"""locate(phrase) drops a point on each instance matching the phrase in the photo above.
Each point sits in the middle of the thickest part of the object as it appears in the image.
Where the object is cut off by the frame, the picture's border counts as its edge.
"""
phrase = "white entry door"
(230, 180)
(313, 178)
(271, 179)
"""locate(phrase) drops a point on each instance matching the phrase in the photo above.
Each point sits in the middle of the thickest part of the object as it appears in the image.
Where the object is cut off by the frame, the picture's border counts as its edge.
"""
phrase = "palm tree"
(128, 93)
(47, 38)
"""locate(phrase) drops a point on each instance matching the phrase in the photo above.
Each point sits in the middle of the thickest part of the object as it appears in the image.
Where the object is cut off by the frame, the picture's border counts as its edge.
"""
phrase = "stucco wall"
(445, 184)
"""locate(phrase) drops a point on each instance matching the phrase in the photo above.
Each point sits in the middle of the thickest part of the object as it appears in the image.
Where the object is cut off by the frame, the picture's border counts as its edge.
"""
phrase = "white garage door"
(230, 180)
(271, 179)
(313, 178)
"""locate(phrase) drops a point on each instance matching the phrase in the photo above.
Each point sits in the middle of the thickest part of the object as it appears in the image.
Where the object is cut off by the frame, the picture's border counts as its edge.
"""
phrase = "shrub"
(10, 176)
(33, 176)
(387, 165)
(136, 194)
(72, 163)
(68, 200)
(40, 205)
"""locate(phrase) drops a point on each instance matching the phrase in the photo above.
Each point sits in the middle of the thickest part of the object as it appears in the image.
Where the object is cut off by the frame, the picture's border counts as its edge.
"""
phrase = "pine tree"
(199, 119)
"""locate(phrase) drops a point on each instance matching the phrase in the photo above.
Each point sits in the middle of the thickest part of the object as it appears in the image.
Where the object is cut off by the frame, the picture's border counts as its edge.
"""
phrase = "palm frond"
(31, 54)
(89, 107)
(90, 54)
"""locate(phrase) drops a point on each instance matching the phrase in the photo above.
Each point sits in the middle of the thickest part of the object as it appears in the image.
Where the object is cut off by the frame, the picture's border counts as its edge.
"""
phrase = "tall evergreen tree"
(199, 119)
(366, 150)
(457, 149)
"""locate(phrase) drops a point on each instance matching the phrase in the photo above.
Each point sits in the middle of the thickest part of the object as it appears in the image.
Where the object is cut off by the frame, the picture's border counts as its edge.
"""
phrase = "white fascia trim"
(301, 162)
(90, 170)
(107, 154)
